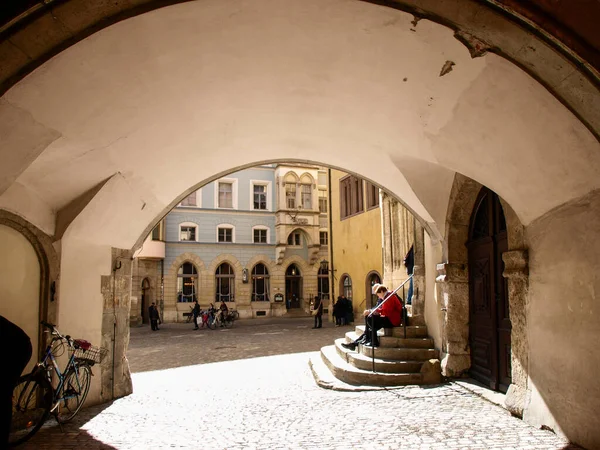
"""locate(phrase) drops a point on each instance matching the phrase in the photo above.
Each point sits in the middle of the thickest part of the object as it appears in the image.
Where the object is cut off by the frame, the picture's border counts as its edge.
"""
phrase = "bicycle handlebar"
(55, 332)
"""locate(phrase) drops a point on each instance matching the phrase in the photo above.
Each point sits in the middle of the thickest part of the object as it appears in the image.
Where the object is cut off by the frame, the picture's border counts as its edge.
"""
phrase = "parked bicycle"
(48, 389)
(226, 321)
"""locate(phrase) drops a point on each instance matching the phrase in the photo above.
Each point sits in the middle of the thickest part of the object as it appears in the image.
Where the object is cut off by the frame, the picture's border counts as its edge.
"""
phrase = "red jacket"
(392, 309)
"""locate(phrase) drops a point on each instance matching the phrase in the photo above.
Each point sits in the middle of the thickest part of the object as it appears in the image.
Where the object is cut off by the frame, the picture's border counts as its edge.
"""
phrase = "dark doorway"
(293, 286)
(372, 279)
(145, 300)
(489, 319)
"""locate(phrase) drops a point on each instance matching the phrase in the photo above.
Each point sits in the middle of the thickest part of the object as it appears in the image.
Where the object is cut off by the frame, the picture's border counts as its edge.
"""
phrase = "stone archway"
(49, 267)
(453, 285)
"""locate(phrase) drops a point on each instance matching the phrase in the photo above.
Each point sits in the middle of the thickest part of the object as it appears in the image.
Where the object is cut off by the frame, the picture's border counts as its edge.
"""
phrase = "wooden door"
(489, 319)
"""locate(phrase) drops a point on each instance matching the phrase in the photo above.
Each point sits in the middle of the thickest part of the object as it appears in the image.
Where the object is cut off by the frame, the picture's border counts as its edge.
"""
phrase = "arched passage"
(319, 84)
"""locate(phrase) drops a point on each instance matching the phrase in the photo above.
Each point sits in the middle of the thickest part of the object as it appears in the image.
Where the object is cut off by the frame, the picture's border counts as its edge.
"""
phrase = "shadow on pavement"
(51, 436)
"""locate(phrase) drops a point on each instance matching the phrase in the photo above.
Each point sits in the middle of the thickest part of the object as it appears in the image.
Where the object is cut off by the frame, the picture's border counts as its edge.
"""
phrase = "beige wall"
(433, 302)
(357, 247)
(20, 285)
(563, 327)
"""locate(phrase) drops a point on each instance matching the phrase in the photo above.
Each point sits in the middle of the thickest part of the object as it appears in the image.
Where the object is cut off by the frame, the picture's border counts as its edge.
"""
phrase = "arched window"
(225, 282)
(347, 287)
(372, 279)
(260, 283)
(323, 281)
(187, 283)
(306, 192)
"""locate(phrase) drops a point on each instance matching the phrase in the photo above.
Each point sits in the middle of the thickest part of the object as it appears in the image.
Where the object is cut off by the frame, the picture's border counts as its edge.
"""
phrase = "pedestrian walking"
(318, 312)
(15, 357)
(196, 313)
(409, 263)
(154, 317)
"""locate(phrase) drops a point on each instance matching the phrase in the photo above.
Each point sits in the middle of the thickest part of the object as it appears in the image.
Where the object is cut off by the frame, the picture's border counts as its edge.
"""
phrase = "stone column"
(516, 271)
(452, 284)
(116, 291)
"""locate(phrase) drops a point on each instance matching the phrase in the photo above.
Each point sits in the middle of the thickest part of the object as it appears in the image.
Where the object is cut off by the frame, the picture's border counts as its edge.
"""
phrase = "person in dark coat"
(409, 262)
(339, 311)
(196, 313)
(154, 317)
(348, 311)
(16, 355)
(318, 307)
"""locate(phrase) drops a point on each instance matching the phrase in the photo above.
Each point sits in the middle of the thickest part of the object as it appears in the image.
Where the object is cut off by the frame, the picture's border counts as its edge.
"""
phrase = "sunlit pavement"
(272, 402)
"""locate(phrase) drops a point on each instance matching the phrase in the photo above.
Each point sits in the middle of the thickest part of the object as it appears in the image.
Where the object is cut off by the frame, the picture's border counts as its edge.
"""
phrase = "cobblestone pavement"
(219, 401)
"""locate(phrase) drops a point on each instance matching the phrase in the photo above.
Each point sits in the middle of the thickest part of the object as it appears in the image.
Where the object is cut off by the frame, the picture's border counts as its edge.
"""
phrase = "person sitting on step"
(388, 315)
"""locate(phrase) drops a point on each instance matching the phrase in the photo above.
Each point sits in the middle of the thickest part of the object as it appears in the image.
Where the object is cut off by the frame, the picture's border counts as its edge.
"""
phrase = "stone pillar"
(116, 291)
(516, 271)
(452, 284)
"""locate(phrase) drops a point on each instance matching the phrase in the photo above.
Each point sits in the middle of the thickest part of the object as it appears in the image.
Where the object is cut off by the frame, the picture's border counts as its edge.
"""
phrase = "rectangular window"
(323, 201)
(187, 234)
(190, 200)
(351, 196)
(260, 196)
(323, 237)
(225, 195)
(225, 234)
(306, 196)
(294, 239)
(156, 233)
(260, 236)
(372, 195)
(290, 195)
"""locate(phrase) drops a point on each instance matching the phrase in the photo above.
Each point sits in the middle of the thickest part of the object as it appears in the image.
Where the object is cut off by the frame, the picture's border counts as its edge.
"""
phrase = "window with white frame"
(225, 199)
(260, 235)
(290, 195)
(259, 196)
(188, 232)
(306, 196)
(225, 233)
(323, 238)
(190, 200)
(323, 201)
(295, 238)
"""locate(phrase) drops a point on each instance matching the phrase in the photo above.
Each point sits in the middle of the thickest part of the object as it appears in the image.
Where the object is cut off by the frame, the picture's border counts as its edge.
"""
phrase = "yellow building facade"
(356, 239)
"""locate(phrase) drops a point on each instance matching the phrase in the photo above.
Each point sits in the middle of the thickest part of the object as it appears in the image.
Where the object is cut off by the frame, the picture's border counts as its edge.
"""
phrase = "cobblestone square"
(250, 387)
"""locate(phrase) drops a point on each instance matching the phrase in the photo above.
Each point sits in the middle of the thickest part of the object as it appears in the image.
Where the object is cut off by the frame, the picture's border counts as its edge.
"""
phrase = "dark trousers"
(195, 321)
(373, 324)
(154, 324)
(16, 356)
(319, 321)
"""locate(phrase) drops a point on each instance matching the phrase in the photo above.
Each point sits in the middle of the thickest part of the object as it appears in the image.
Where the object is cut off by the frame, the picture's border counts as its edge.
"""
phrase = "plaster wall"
(81, 308)
(562, 320)
(20, 286)
(357, 246)
(106, 118)
(433, 303)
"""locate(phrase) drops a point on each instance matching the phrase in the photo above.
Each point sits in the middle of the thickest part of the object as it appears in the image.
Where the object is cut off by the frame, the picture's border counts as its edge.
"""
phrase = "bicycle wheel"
(212, 323)
(73, 393)
(235, 315)
(31, 403)
(228, 322)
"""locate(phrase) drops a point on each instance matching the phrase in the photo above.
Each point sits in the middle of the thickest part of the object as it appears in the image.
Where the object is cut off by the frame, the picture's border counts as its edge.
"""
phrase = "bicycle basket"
(92, 354)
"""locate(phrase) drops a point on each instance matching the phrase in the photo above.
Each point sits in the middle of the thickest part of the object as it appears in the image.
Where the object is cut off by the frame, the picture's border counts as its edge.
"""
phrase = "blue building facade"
(246, 240)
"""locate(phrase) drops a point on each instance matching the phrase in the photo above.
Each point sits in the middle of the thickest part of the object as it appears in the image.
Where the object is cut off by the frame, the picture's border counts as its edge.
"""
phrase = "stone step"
(350, 374)
(364, 362)
(389, 341)
(412, 331)
(400, 354)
